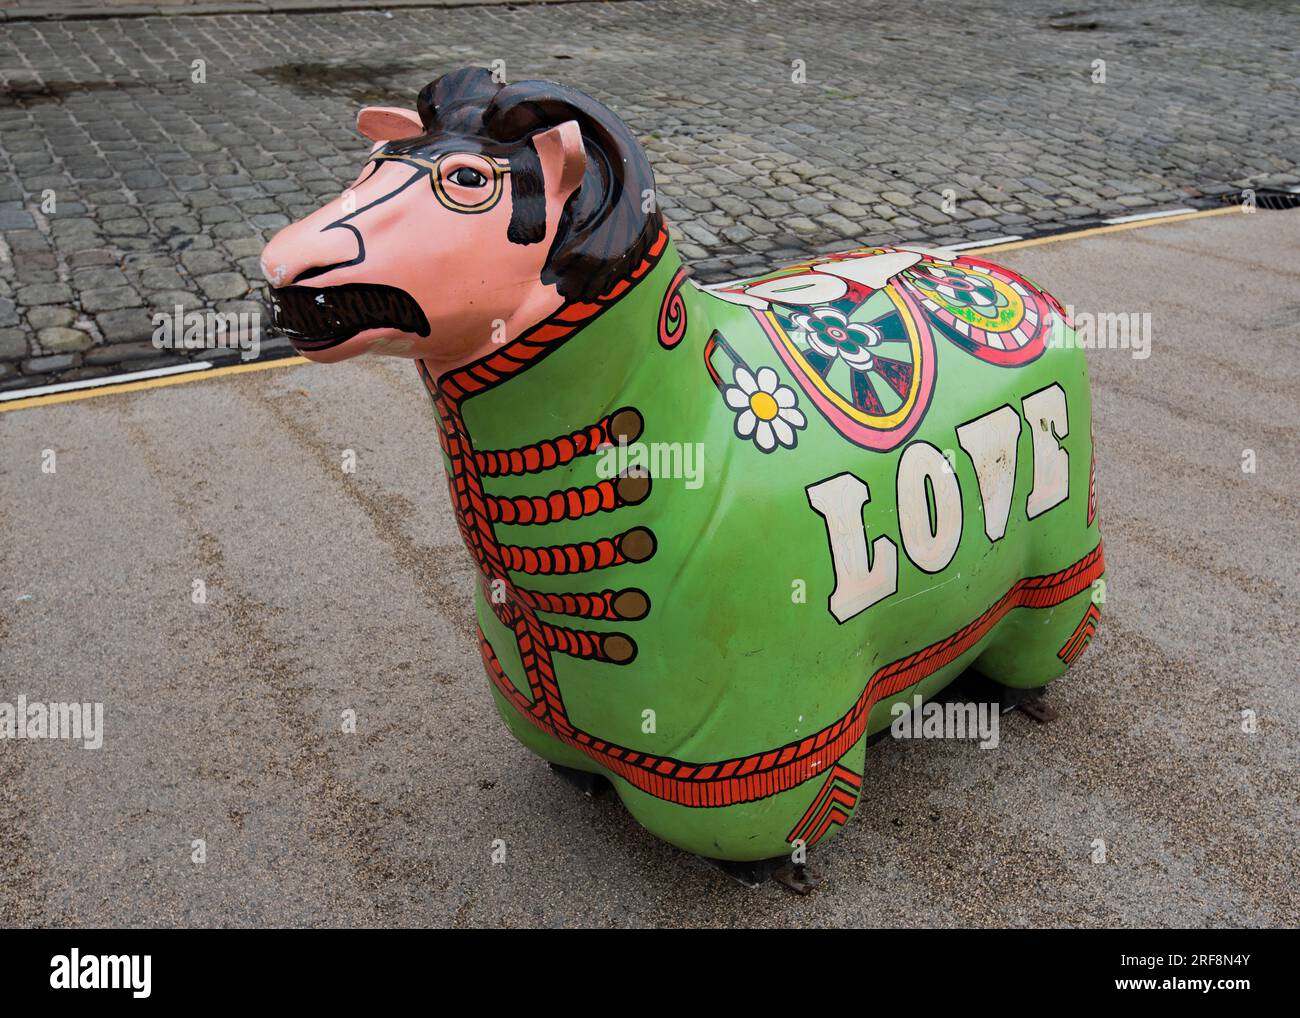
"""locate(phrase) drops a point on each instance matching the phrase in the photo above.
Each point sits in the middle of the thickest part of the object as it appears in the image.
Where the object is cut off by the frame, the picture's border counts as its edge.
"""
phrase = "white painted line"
(1147, 215)
(95, 383)
(970, 245)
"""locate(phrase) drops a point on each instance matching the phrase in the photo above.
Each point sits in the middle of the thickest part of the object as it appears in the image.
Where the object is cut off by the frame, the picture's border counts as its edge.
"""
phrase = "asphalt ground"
(328, 591)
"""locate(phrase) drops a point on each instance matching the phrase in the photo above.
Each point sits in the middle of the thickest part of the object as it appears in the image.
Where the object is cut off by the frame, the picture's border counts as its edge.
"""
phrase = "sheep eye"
(467, 177)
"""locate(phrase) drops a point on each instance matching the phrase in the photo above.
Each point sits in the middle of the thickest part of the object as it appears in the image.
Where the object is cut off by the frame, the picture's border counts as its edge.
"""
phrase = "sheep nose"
(308, 246)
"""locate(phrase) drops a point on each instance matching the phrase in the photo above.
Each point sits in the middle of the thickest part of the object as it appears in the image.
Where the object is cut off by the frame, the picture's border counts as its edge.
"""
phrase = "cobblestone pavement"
(130, 187)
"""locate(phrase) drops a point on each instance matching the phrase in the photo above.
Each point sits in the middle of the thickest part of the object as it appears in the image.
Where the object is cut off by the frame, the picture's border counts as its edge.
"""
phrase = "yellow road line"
(148, 383)
(1094, 231)
(238, 369)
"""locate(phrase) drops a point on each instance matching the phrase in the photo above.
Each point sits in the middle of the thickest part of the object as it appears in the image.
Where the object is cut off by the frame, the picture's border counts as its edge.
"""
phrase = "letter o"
(929, 549)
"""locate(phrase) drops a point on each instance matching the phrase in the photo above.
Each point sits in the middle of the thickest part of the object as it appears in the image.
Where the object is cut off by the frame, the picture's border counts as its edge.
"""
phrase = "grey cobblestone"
(13, 344)
(50, 317)
(54, 362)
(128, 326)
(58, 339)
(43, 293)
(111, 299)
(166, 189)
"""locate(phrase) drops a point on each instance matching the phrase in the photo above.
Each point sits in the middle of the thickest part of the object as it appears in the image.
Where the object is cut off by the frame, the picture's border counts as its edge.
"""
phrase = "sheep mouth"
(317, 318)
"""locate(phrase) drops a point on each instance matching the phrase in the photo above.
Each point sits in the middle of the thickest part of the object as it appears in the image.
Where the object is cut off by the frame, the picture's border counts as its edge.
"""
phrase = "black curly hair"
(604, 230)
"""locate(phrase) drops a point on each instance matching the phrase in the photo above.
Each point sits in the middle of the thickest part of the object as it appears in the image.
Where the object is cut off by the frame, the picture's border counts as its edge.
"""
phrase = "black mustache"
(317, 318)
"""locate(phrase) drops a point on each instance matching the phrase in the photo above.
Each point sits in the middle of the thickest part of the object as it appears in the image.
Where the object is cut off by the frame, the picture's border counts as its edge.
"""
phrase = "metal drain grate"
(1273, 198)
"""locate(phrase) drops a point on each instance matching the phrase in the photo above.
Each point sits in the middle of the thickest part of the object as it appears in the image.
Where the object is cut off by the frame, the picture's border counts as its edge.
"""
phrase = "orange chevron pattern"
(833, 806)
(1081, 637)
(586, 606)
(588, 645)
(570, 504)
(1092, 478)
(564, 558)
(746, 779)
(543, 455)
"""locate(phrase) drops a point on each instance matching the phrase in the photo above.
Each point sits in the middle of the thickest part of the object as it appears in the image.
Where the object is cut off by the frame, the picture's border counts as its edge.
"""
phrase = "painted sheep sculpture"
(720, 531)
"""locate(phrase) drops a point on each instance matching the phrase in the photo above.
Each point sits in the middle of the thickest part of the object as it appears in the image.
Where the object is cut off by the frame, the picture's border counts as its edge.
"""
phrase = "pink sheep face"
(415, 259)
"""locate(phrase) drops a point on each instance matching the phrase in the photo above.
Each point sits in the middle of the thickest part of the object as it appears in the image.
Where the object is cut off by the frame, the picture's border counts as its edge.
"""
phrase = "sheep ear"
(563, 158)
(389, 123)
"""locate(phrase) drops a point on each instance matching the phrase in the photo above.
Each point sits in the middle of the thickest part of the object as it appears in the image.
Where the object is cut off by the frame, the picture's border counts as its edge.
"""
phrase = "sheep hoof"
(797, 877)
(590, 785)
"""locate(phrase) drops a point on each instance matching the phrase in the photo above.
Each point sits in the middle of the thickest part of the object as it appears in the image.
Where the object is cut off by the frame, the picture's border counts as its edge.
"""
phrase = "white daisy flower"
(765, 410)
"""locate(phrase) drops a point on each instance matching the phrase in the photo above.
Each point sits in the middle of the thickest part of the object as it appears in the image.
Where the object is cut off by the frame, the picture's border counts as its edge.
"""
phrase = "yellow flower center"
(763, 405)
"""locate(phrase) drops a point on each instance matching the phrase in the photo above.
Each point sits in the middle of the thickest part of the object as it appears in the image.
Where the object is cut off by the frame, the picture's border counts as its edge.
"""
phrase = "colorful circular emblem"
(867, 366)
(984, 309)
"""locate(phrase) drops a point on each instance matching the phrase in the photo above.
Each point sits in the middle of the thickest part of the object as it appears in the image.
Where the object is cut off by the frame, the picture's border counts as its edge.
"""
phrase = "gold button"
(631, 604)
(618, 648)
(633, 487)
(637, 544)
(626, 425)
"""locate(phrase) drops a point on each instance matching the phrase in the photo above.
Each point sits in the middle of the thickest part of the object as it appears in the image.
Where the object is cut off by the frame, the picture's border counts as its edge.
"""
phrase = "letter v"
(991, 442)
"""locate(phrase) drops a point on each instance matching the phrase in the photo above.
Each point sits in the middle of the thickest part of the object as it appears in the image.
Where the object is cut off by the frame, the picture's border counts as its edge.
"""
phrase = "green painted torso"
(739, 658)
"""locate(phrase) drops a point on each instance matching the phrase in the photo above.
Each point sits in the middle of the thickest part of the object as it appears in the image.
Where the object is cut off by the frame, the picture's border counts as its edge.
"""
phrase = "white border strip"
(1147, 215)
(971, 245)
(95, 383)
